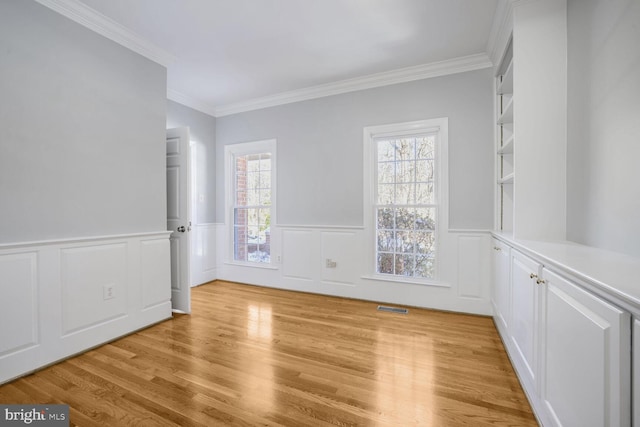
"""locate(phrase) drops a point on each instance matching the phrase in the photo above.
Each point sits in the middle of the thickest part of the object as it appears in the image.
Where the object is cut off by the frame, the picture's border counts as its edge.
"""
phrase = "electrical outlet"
(278, 258)
(107, 292)
(329, 263)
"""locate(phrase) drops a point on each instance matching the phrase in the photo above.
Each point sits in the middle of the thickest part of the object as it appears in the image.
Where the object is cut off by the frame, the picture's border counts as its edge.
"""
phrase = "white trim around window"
(371, 134)
(231, 152)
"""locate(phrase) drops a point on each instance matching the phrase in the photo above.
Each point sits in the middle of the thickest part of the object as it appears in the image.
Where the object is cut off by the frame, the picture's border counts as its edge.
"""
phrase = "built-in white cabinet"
(524, 326)
(570, 347)
(501, 290)
(585, 350)
(563, 310)
(531, 123)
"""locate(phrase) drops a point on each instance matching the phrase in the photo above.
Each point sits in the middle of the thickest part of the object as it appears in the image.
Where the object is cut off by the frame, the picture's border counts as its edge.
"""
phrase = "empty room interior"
(320, 213)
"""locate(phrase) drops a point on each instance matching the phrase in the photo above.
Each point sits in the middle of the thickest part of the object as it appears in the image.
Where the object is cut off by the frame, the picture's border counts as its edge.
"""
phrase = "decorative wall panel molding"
(473, 265)
(331, 260)
(94, 285)
(19, 296)
(153, 273)
(63, 297)
(301, 258)
(203, 253)
(339, 264)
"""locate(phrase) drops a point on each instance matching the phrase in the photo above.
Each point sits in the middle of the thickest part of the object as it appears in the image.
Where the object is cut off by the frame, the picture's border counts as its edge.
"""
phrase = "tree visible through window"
(405, 205)
(252, 208)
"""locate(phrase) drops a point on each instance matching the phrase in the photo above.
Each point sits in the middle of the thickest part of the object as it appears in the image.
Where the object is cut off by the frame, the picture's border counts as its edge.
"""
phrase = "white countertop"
(608, 273)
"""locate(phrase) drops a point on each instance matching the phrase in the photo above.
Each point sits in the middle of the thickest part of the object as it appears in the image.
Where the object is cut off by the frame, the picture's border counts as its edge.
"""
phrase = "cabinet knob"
(497, 248)
(540, 281)
(533, 276)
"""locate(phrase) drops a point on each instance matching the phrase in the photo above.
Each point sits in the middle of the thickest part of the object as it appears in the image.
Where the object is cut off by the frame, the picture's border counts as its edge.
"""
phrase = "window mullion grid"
(389, 189)
(259, 172)
(394, 209)
(409, 231)
(378, 230)
(260, 208)
(415, 198)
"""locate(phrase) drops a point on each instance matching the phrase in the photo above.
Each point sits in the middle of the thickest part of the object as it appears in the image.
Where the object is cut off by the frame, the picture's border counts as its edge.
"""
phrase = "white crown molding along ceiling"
(189, 101)
(91, 19)
(500, 30)
(435, 69)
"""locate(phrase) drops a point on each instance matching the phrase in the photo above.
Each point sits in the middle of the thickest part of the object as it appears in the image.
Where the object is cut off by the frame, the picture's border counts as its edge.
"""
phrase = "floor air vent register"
(393, 309)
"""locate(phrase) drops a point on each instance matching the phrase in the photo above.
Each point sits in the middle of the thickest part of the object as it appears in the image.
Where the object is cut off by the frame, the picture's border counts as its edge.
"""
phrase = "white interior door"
(179, 217)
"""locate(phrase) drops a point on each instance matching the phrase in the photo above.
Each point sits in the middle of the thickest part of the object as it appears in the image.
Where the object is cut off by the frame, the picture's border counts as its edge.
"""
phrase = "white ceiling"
(229, 52)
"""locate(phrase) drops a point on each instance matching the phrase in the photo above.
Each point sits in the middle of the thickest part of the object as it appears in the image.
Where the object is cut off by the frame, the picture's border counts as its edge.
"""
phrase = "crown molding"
(91, 19)
(501, 30)
(191, 102)
(418, 72)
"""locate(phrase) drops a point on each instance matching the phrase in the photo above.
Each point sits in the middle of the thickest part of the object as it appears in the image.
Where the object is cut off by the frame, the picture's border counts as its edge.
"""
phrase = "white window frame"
(230, 153)
(370, 134)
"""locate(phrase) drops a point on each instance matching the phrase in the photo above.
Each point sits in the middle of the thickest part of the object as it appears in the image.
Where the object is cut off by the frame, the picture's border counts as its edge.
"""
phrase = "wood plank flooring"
(251, 356)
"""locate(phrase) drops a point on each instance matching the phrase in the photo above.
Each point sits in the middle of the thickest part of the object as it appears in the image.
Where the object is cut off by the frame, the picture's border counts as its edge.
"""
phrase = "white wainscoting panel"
(87, 273)
(208, 247)
(299, 251)
(203, 253)
(464, 265)
(341, 248)
(473, 265)
(18, 302)
(153, 273)
(63, 297)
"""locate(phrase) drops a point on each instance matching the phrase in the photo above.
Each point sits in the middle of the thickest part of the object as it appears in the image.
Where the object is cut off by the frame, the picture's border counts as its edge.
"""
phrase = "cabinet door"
(501, 293)
(586, 357)
(524, 315)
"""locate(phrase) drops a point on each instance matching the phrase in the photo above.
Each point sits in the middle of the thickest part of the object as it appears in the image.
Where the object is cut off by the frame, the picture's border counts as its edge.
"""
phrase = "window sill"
(262, 266)
(408, 281)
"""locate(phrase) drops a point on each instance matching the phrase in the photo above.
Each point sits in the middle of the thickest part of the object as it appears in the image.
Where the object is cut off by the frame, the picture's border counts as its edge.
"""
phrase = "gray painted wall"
(83, 131)
(603, 177)
(320, 144)
(202, 131)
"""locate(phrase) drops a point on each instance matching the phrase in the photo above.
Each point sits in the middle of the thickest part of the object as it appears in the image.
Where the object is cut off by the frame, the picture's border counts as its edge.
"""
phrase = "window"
(250, 200)
(405, 201)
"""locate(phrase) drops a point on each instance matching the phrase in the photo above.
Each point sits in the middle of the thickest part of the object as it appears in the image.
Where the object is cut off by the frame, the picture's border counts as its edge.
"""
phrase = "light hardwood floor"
(255, 356)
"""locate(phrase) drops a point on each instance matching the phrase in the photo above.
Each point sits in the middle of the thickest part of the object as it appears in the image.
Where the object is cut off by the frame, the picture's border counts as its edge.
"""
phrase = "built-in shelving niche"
(505, 144)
